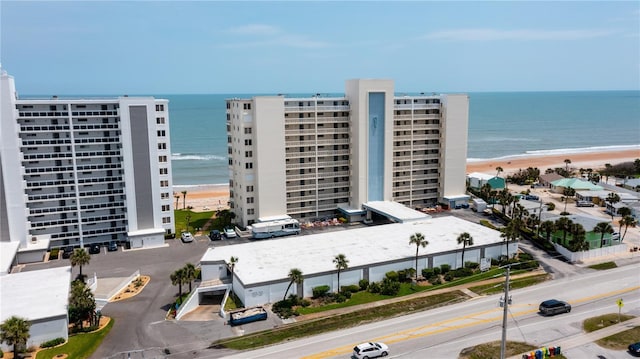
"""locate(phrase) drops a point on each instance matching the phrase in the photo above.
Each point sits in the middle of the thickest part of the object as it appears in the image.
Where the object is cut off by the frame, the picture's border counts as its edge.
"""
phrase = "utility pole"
(505, 303)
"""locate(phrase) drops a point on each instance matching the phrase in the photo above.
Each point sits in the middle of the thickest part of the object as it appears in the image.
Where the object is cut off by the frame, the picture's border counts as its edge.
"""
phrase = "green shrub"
(402, 274)
(437, 271)
(471, 265)
(389, 287)
(320, 291)
(53, 255)
(51, 343)
(449, 276)
(364, 284)
(393, 275)
(374, 287)
(410, 273)
(305, 303)
(435, 280)
(427, 272)
(550, 206)
(350, 288)
(340, 298)
(525, 256)
(462, 272)
(444, 268)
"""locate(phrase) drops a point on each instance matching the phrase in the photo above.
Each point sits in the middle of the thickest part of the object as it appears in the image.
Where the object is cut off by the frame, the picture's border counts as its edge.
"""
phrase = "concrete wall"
(453, 152)
(44, 330)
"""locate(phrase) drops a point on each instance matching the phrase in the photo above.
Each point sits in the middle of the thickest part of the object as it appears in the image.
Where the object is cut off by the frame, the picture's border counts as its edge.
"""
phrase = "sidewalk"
(585, 338)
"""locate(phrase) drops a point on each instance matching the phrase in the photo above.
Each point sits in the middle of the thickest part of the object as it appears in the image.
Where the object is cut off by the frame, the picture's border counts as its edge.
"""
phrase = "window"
(162, 146)
(159, 107)
(247, 142)
(166, 220)
(248, 165)
(160, 120)
(249, 200)
(251, 211)
(248, 154)
(247, 130)
(164, 171)
(166, 208)
(249, 188)
(164, 183)
(164, 195)
(162, 159)
(247, 106)
(161, 133)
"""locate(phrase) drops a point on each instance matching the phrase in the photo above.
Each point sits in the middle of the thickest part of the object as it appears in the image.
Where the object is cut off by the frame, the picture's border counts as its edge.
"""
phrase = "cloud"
(260, 35)
(522, 35)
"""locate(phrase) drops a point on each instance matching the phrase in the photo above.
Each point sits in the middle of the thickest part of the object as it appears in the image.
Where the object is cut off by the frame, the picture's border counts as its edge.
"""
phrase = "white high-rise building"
(311, 157)
(79, 171)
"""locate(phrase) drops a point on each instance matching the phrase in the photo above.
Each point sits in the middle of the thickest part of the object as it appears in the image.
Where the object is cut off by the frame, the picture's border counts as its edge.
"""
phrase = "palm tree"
(568, 193)
(184, 199)
(177, 197)
(564, 224)
(82, 303)
(79, 258)
(511, 233)
(419, 241)
(341, 263)
(627, 221)
(232, 264)
(612, 199)
(465, 239)
(499, 170)
(566, 164)
(178, 278)
(15, 331)
(578, 235)
(602, 228)
(547, 227)
(623, 212)
(189, 274)
(296, 277)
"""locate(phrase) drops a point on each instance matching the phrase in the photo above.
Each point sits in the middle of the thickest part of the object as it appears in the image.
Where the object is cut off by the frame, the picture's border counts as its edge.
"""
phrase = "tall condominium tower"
(310, 157)
(82, 171)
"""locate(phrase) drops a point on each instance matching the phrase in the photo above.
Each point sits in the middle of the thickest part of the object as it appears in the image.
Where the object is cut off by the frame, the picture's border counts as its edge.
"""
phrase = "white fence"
(574, 257)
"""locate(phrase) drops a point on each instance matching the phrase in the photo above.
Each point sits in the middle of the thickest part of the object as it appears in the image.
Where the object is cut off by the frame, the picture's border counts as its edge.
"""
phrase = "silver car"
(370, 350)
(186, 237)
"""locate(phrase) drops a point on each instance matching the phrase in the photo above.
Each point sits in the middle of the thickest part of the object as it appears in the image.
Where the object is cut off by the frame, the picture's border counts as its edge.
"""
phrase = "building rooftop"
(36, 294)
(271, 260)
(8, 252)
(398, 212)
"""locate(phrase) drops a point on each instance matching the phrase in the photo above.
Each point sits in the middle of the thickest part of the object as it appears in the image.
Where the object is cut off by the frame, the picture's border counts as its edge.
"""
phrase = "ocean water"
(501, 124)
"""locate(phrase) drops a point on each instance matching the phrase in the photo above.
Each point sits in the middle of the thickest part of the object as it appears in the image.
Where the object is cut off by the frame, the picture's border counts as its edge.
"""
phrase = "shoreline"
(212, 197)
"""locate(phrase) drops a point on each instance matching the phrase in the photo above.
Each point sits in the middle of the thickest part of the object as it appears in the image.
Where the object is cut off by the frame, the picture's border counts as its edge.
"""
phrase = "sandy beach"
(216, 197)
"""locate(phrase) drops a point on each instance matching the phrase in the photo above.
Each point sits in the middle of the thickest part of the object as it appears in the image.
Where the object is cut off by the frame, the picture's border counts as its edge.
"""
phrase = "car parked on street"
(634, 349)
(553, 307)
(186, 237)
(370, 350)
(585, 204)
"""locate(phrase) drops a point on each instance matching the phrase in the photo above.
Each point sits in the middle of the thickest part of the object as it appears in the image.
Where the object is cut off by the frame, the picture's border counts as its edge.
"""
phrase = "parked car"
(634, 349)
(370, 350)
(553, 307)
(66, 252)
(615, 236)
(113, 246)
(229, 233)
(215, 235)
(584, 204)
(94, 249)
(186, 237)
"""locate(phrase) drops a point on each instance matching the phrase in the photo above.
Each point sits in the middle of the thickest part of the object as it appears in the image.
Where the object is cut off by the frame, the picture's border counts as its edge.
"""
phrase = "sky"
(240, 47)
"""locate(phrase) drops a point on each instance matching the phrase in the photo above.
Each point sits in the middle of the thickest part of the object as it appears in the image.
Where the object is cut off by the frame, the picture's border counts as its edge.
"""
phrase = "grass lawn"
(605, 265)
(515, 284)
(196, 220)
(618, 341)
(492, 350)
(79, 346)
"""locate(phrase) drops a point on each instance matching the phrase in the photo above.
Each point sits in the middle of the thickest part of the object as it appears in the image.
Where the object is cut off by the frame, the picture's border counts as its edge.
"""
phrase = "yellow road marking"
(447, 325)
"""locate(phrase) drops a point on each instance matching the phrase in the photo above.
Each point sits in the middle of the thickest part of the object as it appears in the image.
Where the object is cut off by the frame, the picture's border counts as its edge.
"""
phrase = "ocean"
(501, 124)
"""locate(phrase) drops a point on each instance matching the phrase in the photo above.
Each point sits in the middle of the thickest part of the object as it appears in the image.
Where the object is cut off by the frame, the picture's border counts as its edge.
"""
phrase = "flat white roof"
(144, 232)
(35, 295)
(397, 211)
(480, 176)
(8, 252)
(269, 260)
(273, 218)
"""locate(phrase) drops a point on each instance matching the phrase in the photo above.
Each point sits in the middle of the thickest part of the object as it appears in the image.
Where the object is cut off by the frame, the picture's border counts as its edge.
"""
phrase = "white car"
(229, 233)
(370, 350)
(186, 237)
